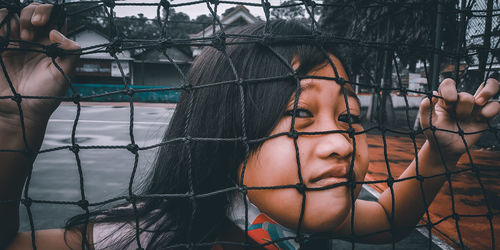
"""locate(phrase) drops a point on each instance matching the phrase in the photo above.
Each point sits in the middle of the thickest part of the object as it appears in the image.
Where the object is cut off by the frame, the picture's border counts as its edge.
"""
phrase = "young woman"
(299, 133)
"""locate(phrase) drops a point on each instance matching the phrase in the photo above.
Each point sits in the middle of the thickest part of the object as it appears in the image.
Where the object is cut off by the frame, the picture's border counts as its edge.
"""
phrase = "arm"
(31, 74)
(472, 112)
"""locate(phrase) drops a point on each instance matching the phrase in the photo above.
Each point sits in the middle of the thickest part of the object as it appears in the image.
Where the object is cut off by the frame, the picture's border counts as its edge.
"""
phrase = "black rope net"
(475, 23)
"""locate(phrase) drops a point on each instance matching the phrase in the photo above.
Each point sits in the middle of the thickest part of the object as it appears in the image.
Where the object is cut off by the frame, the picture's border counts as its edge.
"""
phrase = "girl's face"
(325, 159)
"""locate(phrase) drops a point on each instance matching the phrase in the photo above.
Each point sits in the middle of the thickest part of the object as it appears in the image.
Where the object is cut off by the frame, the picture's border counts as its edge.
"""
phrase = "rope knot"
(165, 4)
(132, 198)
(109, 3)
(390, 181)
(243, 189)
(267, 38)
(130, 92)
(165, 44)
(84, 204)
(293, 134)
(27, 202)
(433, 128)
(219, 41)
(114, 47)
(75, 148)
(17, 98)
(53, 50)
(267, 6)
(351, 132)
(382, 128)
(420, 178)
(340, 81)
(430, 95)
(301, 238)
(310, 3)
(301, 187)
(403, 91)
(133, 148)
(76, 98)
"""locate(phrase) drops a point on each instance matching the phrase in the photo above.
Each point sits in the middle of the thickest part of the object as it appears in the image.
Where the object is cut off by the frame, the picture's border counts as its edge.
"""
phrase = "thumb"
(68, 61)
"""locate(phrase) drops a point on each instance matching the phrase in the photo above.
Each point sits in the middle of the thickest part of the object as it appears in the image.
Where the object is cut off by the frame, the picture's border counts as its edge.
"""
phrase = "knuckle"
(424, 101)
(447, 82)
(44, 8)
(466, 97)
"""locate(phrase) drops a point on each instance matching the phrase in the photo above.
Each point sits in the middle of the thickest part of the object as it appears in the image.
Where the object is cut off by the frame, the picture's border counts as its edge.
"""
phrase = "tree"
(410, 24)
(291, 9)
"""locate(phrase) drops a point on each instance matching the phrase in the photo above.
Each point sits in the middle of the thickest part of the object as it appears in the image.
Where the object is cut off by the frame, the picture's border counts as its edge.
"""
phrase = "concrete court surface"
(106, 172)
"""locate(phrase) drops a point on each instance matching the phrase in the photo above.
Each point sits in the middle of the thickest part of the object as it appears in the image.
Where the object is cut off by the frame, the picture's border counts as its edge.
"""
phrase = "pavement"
(106, 173)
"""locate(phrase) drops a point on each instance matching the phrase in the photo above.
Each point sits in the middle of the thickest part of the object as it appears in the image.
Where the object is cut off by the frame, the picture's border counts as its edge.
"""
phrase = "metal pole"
(437, 46)
(483, 54)
(461, 42)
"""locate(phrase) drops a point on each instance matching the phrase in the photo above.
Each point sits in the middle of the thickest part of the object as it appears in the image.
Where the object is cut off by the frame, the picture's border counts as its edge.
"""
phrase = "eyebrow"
(348, 91)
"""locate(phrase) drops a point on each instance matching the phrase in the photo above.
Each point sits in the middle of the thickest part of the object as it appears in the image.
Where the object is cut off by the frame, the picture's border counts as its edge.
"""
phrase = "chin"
(325, 211)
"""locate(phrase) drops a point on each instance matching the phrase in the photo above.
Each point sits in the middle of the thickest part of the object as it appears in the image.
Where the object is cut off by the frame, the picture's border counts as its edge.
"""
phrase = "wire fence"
(469, 18)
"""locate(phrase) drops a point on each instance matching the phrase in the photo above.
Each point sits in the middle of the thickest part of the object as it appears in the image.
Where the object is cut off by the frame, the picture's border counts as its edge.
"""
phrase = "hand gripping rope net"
(469, 15)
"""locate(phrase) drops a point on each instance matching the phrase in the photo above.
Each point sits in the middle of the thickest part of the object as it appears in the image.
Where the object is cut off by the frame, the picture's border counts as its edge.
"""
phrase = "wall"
(157, 74)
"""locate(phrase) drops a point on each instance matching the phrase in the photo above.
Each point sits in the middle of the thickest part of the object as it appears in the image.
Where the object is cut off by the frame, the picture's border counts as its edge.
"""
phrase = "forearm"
(411, 196)
(15, 165)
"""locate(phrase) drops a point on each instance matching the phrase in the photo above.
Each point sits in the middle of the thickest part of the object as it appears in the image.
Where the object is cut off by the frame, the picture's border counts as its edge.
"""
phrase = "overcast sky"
(192, 10)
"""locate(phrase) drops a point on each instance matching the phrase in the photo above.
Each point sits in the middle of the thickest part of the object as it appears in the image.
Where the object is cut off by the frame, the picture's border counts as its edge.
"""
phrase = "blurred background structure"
(397, 52)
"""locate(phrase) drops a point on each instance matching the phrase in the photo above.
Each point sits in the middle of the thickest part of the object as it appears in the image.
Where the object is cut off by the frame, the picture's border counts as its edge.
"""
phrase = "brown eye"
(354, 119)
(299, 113)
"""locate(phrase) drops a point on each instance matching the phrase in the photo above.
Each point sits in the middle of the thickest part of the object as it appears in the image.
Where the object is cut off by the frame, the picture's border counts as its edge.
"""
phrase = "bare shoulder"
(51, 239)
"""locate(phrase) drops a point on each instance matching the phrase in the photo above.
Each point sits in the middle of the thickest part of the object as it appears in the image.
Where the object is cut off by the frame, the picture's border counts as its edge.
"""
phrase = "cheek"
(362, 161)
(361, 158)
(273, 164)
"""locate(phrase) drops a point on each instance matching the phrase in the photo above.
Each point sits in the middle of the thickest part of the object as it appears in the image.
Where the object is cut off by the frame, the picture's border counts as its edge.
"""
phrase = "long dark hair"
(216, 112)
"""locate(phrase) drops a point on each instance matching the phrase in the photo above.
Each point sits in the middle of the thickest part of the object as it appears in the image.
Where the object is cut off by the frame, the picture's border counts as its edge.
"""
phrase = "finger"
(448, 90)
(41, 15)
(490, 110)
(425, 109)
(26, 28)
(487, 92)
(465, 105)
(478, 90)
(67, 63)
(13, 22)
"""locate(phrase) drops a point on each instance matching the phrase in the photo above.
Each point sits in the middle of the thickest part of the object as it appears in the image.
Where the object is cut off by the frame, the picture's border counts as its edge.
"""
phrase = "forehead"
(328, 70)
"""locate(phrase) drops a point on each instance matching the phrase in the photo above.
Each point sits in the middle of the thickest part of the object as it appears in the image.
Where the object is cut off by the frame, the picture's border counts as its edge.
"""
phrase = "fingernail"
(480, 101)
(36, 18)
(58, 35)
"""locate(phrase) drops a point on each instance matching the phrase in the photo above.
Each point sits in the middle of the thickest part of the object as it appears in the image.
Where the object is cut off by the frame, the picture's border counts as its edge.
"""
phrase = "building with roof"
(99, 67)
(236, 18)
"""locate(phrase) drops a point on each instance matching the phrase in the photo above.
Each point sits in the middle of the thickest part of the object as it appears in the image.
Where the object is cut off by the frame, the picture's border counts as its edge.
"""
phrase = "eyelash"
(298, 112)
(354, 118)
(343, 117)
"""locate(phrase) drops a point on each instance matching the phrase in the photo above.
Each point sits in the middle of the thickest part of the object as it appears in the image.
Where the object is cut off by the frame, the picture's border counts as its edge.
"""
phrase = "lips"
(329, 177)
(327, 182)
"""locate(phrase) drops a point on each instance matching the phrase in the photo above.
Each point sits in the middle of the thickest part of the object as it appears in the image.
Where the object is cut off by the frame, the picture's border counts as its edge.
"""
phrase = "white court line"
(436, 240)
(112, 122)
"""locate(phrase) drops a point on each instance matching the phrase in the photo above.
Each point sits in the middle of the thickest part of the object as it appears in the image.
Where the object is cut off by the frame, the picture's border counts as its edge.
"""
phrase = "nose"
(336, 145)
